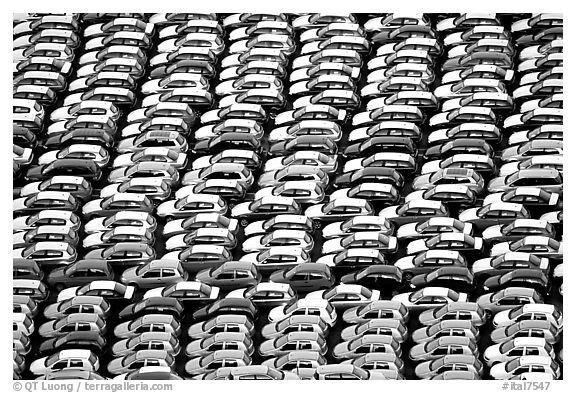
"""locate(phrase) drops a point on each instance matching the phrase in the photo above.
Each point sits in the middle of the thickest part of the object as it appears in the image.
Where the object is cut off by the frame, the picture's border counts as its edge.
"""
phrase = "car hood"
(468, 214)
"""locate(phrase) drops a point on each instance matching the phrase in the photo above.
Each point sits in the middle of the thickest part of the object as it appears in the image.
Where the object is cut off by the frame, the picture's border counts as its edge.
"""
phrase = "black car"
(226, 306)
(306, 277)
(79, 273)
(531, 278)
(458, 278)
(91, 340)
(385, 278)
(152, 305)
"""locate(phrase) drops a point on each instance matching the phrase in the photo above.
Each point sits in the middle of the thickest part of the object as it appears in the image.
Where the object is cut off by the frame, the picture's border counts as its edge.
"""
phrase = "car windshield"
(513, 364)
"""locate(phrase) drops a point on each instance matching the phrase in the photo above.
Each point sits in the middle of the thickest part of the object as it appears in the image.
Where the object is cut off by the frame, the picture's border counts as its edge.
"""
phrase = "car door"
(152, 276)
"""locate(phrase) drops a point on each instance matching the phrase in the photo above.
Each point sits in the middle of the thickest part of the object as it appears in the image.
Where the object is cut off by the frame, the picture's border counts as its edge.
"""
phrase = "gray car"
(292, 342)
(78, 304)
(222, 323)
(217, 359)
(470, 311)
(155, 273)
(139, 359)
(448, 327)
(443, 346)
(219, 341)
(148, 323)
(381, 326)
(165, 341)
(365, 344)
(80, 273)
(295, 323)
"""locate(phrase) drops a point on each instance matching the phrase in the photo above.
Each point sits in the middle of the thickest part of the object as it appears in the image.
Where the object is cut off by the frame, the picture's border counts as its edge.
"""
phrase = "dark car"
(229, 140)
(377, 144)
(84, 135)
(66, 166)
(91, 340)
(370, 174)
(230, 275)
(532, 278)
(156, 305)
(226, 306)
(458, 278)
(305, 277)
(26, 269)
(459, 146)
(382, 277)
(303, 142)
(80, 273)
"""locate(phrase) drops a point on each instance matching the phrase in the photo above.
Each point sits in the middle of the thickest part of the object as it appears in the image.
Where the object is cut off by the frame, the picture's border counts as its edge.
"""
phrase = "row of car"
(252, 197)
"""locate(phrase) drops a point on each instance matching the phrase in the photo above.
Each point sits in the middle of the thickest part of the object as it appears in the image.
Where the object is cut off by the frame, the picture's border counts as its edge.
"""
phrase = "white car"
(306, 306)
(432, 227)
(122, 218)
(430, 297)
(537, 312)
(98, 287)
(357, 224)
(527, 363)
(67, 359)
(521, 346)
(369, 239)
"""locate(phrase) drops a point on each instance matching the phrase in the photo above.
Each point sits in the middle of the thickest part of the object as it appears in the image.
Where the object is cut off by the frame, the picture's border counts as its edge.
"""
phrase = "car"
(346, 295)
(230, 275)
(124, 254)
(432, 368)
(217, 359)
(225, 306)
(154, 322)
(277, 257)
(545, 162)
(347, 371)
(537, 312)
(305, 277)
(459, 146)
(104, 207)
(69, 359)
(79, 304)
(440, 347)
(200, 256)
(295, 323)
(432, 227)
(219, 341)
(376, 277)
(467, 177)
(357, 224)
(292, 341)
(119, 234)
(365, 344)
(508, 298)
(532, 148)
(385, 327)
(531, 278)
(496, 213)
(266, 294)
(507, 262)
(455, 241)
(517, 230)
(121, 218)
(46, 217)
(200, 220)
(154, 273)
(45, 232)
(279, 237)
(191, 204)
(430, 297)
(469, 311)
(458, 278)
(318, 307)
(215, 236)
(234, 323)
(150, 373)
(94, 152)
(280, 221)
(138, 359)
(339, 209)
(550, 180)
(70, 323)
(22, 323)
(186, 291)
(447, 327)
(81, 272)
(44, 200)
(353, 258)
(47, 253)
(527, 328)
(368, 239)
(526, 363)
(148, 340)
(541, 246)
(26, 269)
(520, 346)
(110, 290)
(158, 305)
(251, 372)
(387, 309)
(417, 210)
